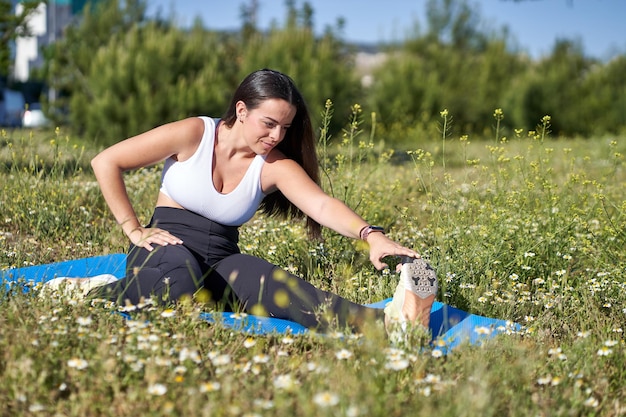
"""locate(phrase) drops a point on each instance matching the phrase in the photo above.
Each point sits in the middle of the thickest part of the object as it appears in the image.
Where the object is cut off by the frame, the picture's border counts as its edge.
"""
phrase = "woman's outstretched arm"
(287, 176)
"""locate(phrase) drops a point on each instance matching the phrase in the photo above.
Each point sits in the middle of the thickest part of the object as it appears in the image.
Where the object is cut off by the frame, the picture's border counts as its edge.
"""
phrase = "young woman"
(217, 174)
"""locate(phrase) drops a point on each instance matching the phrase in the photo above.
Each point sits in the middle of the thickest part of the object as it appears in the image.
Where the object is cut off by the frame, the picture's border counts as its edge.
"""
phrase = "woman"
(217, 173)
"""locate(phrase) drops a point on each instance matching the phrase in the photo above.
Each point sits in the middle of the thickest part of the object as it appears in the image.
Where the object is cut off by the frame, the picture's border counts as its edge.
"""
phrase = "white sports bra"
(190, 184)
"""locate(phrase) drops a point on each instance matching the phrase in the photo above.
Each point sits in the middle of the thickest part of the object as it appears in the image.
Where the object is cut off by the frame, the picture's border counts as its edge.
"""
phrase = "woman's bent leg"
(166, 274)
(265, 289)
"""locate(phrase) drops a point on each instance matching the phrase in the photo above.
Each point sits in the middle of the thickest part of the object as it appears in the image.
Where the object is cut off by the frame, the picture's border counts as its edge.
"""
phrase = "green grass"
(526, 228)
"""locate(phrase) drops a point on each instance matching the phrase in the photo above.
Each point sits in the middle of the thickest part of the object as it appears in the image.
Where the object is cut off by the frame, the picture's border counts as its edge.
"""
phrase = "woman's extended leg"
(265, 289)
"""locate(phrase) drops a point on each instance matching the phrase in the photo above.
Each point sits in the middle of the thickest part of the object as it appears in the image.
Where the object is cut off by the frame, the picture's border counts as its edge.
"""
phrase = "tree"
(152, 75)
(453, 66)
(322, 67)
(605, 97)
(13, 25)
(555, 86)
(68, 61)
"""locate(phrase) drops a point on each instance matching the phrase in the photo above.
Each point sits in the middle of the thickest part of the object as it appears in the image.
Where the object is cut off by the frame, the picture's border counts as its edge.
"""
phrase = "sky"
(535, 25)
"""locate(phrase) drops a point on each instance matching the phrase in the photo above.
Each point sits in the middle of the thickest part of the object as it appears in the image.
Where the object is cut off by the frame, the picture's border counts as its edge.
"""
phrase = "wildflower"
(157, 389)
(584, 334)
(264, 404)
(437, 353)
(221, 360)
(529, 254)
(190, 354)
(128, 308)
(544, 380)
(610, 343)
(143, 303)
(591, 402)
(555, 381)
(397, 364)
(36, 408)
(394, 353)
(482, 330)
(84, 321)
(137, 366)
(336, 335)
(604, 351)
(353, 411)
(168, 313)
(249, 342)
(249, 367)
(432, 379)
(288, 340)
(343, 354)
(77, 363)
(554, 351)
(326, 399)
(285, 382)
(210, 386)
(439, 342)
(261, 358)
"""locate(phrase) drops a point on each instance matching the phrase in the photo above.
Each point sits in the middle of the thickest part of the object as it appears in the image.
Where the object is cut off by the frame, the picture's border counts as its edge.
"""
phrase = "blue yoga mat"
(450, 326)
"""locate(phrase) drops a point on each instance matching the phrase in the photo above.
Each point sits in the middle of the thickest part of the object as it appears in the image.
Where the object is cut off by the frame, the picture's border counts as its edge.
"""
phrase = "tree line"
(118, 72)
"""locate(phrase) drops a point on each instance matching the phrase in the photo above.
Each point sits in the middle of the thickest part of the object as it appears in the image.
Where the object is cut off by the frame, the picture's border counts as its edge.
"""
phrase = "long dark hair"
(298, 143)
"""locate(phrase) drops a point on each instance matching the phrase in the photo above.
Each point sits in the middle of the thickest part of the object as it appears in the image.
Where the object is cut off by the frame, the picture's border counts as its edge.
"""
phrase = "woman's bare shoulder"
(186, 134)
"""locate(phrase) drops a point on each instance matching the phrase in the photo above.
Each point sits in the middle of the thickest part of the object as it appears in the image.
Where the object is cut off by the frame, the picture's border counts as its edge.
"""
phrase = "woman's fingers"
(382, 246)
(145, 237)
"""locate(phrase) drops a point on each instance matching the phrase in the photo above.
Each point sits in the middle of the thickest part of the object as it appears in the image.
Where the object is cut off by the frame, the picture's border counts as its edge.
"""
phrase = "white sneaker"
(417, 276)
(393, 309)
(68, 286)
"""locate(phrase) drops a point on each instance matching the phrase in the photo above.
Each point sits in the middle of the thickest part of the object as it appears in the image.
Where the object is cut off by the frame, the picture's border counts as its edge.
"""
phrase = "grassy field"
(526, 228)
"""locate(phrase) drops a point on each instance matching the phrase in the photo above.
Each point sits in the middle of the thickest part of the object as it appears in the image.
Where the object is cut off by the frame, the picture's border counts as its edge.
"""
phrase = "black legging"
(209, 260)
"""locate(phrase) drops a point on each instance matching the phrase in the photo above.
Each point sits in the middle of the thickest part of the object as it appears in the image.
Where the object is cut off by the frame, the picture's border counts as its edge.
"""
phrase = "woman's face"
(266, 126)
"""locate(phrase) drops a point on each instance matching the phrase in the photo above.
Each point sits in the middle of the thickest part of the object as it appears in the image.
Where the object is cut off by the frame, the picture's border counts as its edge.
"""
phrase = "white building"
(45, 25)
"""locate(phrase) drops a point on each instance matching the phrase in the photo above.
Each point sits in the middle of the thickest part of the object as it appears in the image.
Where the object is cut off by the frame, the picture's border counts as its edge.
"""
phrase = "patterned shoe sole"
(419, 277)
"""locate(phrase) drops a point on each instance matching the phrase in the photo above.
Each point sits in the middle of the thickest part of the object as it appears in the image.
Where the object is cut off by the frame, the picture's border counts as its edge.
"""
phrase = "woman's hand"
(144, 237)
(381, 246)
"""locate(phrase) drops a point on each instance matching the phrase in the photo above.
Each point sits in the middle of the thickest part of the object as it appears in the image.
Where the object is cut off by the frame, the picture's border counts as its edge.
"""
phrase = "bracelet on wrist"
(365, 231)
